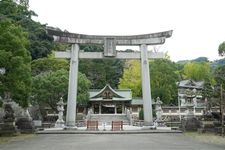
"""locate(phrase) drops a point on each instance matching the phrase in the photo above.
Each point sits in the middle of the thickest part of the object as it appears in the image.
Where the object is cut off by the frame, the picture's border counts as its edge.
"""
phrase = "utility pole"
(222, 110)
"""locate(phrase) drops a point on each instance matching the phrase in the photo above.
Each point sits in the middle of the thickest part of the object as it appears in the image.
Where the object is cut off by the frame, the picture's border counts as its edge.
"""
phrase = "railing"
(183, 113)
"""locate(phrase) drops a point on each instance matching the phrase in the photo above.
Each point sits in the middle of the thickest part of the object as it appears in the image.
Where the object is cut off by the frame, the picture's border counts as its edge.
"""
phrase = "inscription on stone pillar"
(110, 47)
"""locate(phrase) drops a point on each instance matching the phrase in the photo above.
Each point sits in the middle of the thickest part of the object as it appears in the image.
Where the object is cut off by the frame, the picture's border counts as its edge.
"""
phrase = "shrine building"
(113, 101)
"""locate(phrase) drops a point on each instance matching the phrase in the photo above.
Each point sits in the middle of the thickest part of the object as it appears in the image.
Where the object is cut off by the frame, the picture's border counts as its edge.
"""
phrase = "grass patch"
(17, 137)
(206, 137)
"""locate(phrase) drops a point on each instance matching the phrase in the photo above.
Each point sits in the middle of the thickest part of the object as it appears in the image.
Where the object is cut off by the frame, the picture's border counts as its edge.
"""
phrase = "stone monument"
(25, 123)
(8, 126)
(110, 43)
(158, 110)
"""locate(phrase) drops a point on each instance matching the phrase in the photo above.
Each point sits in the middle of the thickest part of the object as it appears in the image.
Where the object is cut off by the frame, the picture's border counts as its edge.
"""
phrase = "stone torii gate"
(110, 52)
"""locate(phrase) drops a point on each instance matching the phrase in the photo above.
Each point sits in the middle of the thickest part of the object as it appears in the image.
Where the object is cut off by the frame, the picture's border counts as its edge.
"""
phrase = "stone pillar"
(123, 108)
(146, 89)
(72, 89)
(115, 109)
(100, 108)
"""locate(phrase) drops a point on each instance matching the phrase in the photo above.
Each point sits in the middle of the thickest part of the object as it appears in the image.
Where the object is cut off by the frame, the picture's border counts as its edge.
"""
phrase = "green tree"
(92, 47)
(83, 90)
(24, 3)
(132, 77)
(164, 76)
(48, 64)
(101, 72)
(40, 43)
(48, 87)
(197, 71)
(94, 70)
(221, 49)
(55, 72)
(220, 75)
(220, 79)
(163, 79)
(15, 58)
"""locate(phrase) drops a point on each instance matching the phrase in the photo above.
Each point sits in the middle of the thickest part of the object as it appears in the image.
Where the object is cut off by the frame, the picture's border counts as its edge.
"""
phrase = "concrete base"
(68, 128)
(107, 130)
(148, 128)
(163, 128)
(8, 128)
(148, 123)
(60, 124)
(190, 124)
(25, 125)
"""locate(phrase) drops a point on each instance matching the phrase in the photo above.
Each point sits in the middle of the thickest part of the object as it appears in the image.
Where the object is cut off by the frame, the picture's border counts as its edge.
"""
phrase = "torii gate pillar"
(146, 89)
(72, 89)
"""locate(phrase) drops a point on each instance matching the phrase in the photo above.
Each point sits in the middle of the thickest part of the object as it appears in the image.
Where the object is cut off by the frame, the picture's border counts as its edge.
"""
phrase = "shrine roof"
(116, 94)
(137, 101)
(191, 84)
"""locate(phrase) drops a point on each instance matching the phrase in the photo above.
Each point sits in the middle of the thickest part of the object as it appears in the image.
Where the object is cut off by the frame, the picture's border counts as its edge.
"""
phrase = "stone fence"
(175, 111)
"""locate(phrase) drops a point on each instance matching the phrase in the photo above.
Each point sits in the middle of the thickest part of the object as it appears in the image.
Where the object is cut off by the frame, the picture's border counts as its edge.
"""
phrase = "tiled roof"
(191, 84)
(137, 102)
(119, 94)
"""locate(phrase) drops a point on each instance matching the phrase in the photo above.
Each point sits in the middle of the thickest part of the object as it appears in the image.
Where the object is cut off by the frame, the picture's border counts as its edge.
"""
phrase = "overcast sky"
(198, 25)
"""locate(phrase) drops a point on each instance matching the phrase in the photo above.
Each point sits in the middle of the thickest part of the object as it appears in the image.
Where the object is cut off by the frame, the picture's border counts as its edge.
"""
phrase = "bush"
(141, 114)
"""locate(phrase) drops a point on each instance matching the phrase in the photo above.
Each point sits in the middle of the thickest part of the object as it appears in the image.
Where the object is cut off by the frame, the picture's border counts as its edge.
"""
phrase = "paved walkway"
(157, 141)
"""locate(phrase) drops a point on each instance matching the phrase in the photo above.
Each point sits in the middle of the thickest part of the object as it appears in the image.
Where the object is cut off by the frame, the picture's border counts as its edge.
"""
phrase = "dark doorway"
(96, 109)
(108, 110)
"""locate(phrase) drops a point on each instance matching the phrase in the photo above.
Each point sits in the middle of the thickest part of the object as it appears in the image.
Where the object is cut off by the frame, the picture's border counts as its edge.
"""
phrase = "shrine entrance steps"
(108, 118)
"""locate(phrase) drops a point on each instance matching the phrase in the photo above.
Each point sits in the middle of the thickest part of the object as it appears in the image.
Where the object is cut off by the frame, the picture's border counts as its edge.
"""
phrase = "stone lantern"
(190, 96)
(190, 122)
(60, 123)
